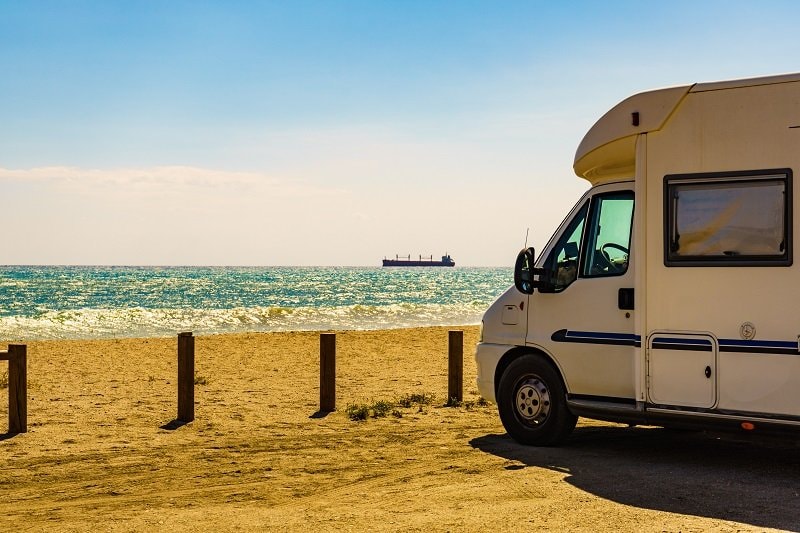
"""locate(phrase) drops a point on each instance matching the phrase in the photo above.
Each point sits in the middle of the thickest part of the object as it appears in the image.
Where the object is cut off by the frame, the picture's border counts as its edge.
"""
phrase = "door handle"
(708, 372)
(625, 299)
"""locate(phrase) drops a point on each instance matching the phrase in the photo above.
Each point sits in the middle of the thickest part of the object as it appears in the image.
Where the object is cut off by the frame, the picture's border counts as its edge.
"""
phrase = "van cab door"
(582, 314)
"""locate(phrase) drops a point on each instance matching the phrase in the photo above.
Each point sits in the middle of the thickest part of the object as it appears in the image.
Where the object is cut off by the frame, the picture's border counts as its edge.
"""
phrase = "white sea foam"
(140, 322)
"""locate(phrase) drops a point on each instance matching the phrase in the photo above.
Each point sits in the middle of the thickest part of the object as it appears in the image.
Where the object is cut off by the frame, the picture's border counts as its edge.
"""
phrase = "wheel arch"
(516, 353)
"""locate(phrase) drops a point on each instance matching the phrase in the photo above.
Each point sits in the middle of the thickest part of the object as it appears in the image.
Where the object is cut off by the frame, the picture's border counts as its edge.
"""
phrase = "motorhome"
(668, 295)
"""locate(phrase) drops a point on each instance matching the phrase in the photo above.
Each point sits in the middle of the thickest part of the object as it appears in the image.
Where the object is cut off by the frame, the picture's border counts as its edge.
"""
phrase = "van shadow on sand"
(752, 482)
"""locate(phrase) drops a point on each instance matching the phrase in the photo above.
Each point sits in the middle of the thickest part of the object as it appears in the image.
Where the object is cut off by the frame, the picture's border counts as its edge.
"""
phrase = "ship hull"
(404, 263)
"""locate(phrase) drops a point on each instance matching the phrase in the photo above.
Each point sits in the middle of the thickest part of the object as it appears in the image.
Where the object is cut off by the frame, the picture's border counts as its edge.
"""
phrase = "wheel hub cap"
(533, 400)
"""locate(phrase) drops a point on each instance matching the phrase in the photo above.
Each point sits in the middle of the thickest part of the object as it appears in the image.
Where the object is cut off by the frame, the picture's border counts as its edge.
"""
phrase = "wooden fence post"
(17, 388)
(455, 366)
(185, 377)
(327, 372)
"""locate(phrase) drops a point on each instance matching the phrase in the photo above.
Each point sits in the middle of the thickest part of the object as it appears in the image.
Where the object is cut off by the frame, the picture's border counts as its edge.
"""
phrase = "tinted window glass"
(562, 263)
(609, 238)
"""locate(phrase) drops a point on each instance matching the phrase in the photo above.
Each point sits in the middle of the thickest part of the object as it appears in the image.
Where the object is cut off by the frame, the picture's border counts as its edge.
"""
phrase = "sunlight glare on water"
(101, 302)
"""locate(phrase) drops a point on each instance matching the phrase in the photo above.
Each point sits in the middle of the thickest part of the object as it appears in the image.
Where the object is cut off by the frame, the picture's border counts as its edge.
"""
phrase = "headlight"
(480, 333)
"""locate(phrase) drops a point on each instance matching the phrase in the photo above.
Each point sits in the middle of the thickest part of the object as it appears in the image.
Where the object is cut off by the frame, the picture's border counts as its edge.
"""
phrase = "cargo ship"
(427, 261)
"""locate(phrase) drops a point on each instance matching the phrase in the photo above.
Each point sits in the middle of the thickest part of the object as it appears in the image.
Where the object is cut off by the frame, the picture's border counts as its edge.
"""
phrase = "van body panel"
(747, 82)
(682, 369)
(487, 356)
(759, 382)
(730, 128)
(582, 327)
(506, 321)
(608, 149)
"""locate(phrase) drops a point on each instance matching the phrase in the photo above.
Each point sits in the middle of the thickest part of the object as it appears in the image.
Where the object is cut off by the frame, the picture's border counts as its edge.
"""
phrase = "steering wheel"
(607, 257)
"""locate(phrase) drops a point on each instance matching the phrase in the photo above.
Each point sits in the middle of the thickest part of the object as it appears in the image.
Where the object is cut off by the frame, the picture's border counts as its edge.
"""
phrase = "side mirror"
(524, 271)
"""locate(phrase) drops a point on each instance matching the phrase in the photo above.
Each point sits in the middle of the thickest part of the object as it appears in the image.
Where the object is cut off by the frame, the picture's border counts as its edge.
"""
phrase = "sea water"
(57, 302)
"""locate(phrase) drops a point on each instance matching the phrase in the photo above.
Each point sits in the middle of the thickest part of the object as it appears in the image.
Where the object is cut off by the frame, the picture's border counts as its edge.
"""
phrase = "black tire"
(532, 402)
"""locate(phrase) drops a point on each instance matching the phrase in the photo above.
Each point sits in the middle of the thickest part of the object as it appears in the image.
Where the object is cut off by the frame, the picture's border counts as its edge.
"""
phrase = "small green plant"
(200, 380)
(404, 402)
(469, 404)
(4, 380)
(381, 408)
(384, 408)
(409, 400)
(378, 409)
(357, 411)
(453, 402)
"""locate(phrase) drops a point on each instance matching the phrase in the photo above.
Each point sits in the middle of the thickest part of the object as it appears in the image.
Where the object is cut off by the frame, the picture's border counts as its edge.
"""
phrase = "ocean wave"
(142, 322)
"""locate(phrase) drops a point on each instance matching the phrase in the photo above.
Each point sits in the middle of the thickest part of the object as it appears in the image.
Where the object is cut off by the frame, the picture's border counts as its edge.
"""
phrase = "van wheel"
(532, 402)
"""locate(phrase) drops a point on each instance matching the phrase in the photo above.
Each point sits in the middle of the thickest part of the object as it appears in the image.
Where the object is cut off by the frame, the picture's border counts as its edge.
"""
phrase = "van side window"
(562, 263)
(739, 218)
(609, 235)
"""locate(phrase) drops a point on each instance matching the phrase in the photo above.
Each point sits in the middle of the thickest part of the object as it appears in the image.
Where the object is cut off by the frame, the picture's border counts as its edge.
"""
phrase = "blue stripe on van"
(678, 343)
(759, 346)
(726, 345)
(596, 337)
(682, 343)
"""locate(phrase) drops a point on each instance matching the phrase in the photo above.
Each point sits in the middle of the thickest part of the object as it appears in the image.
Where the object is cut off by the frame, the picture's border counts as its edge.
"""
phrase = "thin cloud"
(163, 180)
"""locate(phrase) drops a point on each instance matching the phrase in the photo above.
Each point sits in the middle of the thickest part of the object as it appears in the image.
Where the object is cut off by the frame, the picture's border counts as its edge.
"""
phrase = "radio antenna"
(526, 237)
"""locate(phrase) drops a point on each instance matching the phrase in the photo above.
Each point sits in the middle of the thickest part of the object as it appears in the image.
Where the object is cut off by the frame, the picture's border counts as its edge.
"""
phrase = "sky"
(330, 132)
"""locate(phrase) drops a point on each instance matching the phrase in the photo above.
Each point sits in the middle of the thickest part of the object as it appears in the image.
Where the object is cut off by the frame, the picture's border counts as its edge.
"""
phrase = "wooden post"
(455, 366)
(327, 372)
(185, 377)
(17, 356)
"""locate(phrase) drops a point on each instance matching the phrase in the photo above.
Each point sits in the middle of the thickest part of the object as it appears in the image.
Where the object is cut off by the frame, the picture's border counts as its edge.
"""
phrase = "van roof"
(608, 150)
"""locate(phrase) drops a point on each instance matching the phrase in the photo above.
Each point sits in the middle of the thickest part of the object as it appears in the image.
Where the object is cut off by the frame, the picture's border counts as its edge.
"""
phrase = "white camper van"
(669, 295)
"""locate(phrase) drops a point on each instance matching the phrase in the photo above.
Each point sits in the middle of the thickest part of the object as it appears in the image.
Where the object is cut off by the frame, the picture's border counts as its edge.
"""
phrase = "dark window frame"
(742, 176)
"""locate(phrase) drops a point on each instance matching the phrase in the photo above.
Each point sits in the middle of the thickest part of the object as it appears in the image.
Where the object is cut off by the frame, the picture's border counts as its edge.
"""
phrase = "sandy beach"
(100, 452)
